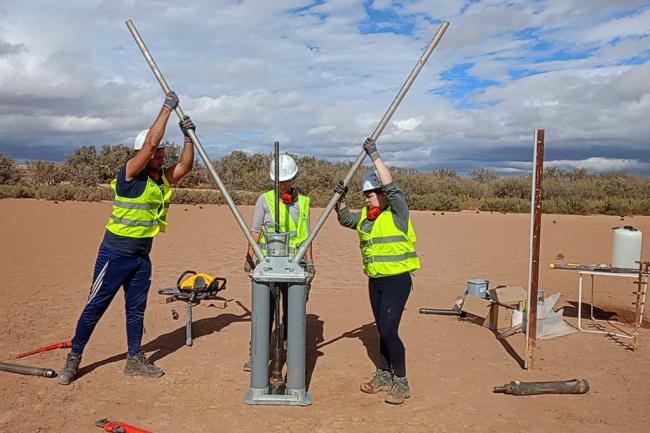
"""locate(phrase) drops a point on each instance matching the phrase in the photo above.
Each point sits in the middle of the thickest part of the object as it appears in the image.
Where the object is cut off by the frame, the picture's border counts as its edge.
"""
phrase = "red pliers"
(118, 427)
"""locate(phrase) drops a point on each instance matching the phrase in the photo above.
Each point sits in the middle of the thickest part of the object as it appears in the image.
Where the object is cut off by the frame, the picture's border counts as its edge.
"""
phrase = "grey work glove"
(339, 188)
(171, 100)
(186, 124)
(371, 148)
(311, 270)
(249, 264)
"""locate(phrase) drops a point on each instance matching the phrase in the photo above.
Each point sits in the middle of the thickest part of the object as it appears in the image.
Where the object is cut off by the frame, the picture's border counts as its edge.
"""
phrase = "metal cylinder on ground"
(573, 386)
(27, 370)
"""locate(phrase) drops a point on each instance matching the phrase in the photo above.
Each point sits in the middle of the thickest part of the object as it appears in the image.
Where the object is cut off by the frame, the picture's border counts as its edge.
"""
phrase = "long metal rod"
(195, 141)
(276, 155)
(375, 135)
(536, 225)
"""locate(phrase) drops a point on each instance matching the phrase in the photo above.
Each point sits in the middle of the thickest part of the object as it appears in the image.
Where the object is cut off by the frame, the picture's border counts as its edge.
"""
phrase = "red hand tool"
(60, 345)
(118, 427)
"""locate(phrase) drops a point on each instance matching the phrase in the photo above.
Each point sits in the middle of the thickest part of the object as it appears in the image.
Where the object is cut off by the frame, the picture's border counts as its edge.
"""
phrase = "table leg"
(580, 302)
(592, 298)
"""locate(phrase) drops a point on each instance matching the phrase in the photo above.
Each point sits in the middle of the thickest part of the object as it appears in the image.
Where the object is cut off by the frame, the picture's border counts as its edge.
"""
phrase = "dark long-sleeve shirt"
(398, 207)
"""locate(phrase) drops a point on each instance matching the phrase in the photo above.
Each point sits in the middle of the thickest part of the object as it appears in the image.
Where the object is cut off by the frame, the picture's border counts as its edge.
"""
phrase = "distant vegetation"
(85, 174)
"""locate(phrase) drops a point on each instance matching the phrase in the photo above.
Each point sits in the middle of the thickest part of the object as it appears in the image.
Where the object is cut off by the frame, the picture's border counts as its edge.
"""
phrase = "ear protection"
(373, 213)
(289, 196)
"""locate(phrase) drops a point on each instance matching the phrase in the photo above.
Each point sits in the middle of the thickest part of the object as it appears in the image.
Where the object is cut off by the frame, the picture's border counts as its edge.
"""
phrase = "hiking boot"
(381, 381)
(399, 391)
(139, 365)
(70, 369)
(247, 365)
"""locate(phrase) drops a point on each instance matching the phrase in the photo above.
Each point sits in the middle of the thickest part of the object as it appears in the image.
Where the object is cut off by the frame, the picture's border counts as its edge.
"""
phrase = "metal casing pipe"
(27, 370)
(260, 337)
(296, 339)
(276, 155)
(375, 135)
(199, 147)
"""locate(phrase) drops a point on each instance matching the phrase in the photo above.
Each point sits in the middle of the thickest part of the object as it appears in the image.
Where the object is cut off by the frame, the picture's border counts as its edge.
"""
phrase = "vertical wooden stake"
(535, 229)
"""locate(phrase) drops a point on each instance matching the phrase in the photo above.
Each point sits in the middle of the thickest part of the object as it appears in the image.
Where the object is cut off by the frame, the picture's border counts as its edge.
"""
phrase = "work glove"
(371, 148)
(311, 271)
(186, 124)
(249, 264)
(339, 188)
(171, 100)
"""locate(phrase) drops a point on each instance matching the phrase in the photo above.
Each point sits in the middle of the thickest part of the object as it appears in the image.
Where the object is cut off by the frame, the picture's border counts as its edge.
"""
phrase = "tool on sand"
(60, 345)
(573, 386)
(440, 312)
(193, 287)
(591, 267)
(118, 427)
(30, 371)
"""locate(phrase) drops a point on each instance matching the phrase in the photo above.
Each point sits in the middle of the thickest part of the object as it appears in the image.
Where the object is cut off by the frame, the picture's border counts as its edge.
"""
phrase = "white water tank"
(626, 248)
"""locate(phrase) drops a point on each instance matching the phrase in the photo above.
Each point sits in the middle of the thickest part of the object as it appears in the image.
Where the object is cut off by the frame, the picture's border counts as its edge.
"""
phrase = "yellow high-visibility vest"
(387, 250)
(298, 232)
(144, 216)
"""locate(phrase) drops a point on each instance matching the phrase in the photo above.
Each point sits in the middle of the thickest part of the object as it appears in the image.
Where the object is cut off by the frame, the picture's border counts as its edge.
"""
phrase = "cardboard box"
(476, 306)
(509, 295)
(500, 316)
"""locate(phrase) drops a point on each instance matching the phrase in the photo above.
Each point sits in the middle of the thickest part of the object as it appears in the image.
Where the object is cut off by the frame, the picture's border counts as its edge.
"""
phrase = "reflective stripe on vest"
(144, 216)
(387, 250)
(298, 232)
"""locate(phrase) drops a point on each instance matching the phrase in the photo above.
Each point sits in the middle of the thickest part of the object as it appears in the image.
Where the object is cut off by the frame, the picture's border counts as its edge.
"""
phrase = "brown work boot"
(399, 391)
(381, 381)
(70, 369)
(139, 365)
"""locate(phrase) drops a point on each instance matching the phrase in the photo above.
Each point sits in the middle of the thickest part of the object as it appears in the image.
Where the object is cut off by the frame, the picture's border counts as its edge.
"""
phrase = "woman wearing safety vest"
(294, 218)
(386, 239)
(143, 192)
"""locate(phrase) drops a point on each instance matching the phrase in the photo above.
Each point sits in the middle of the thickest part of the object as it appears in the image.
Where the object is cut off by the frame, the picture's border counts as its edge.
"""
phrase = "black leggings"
(388, 296)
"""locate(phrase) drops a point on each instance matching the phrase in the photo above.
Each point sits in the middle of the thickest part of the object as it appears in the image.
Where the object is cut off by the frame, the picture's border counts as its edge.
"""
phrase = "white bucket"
(626, 247)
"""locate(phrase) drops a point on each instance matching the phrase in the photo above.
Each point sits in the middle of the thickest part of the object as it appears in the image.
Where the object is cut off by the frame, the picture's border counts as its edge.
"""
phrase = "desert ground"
(46, 261)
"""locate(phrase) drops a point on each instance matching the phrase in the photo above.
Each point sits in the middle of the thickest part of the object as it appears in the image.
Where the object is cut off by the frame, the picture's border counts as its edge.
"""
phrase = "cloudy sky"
(318, 75)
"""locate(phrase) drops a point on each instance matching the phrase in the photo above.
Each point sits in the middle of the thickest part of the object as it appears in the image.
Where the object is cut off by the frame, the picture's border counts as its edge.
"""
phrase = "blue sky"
(318, 75)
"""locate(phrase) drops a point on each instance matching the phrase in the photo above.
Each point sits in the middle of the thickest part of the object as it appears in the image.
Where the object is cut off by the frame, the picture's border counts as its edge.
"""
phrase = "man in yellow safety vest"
(142, 195)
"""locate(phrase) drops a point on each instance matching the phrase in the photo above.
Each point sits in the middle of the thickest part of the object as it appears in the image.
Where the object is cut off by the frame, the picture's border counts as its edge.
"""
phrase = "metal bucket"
(278, 244)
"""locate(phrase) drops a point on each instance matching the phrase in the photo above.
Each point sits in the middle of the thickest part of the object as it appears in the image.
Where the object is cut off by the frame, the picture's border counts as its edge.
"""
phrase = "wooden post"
(535, 229)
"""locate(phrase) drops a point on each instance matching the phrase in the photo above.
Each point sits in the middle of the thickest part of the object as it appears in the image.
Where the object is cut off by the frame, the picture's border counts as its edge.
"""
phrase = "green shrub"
(8, 172)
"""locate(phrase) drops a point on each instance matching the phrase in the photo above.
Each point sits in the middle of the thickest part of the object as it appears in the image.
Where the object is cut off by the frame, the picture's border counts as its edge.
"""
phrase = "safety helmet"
(139, 140)
(370, 181)
(288, 168)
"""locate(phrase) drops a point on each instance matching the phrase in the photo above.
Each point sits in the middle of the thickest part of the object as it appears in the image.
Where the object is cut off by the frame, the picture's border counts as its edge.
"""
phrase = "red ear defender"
(373, 213)
(287, 198)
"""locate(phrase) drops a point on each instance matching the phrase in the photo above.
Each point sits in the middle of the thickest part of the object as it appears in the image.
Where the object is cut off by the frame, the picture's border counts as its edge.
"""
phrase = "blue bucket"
(477, 287)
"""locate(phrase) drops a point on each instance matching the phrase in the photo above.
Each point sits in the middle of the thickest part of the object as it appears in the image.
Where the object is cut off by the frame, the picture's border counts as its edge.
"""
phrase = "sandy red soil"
(46, 260)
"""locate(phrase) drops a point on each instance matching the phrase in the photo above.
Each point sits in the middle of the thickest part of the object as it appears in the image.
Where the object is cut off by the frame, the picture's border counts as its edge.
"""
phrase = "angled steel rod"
(375, 135)
(195, 141)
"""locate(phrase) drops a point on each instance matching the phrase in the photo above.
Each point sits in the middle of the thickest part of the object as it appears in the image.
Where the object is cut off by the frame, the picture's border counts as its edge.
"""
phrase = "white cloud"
(601, 164)
(253, 72)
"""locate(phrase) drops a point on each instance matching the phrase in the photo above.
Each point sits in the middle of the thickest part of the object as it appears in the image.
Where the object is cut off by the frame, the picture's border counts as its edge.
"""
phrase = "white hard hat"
(288, 168)
(370, 181)
(139, 140)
